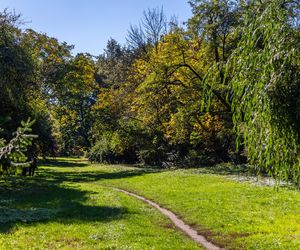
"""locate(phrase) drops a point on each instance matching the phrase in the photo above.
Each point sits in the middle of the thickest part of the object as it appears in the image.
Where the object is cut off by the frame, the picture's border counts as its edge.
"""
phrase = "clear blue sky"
(88, 24)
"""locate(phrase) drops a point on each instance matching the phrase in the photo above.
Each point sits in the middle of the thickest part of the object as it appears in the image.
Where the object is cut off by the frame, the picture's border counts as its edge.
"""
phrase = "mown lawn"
(235, 215)
(71, 204)
(55, 211)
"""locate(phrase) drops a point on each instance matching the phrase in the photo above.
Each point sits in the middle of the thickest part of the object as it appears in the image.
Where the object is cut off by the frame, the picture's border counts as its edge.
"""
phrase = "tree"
(265, 86)
(112, 67)
(73, 106)
(148, 33)
(170, 99)
(21, 94)
(214, 21)
(16, 71)
(113, 135)
(38, 76)
(165, 92)
(12, 155)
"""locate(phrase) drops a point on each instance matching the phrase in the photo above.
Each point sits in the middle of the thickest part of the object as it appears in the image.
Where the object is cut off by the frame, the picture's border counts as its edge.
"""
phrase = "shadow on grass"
(220, 169)
(62, 163)
(88, 176)
(44, 198)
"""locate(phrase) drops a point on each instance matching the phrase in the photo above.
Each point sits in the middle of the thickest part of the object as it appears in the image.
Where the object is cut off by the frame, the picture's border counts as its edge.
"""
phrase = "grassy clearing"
(54, 211)
(233, 214)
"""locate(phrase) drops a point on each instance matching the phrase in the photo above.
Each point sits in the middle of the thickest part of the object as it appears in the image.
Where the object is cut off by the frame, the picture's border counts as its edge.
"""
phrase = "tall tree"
(148, 33)
(265, 85)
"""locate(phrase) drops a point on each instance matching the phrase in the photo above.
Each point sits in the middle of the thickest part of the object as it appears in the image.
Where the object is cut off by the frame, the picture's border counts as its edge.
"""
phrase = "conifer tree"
(12, 153)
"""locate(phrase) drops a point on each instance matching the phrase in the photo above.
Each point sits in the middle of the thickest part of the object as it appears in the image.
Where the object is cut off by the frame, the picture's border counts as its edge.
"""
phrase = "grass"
(54, 211)
(71, 204)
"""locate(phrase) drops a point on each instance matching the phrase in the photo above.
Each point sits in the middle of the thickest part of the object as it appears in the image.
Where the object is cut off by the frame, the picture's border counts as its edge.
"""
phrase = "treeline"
(223, 87)
(41, 80)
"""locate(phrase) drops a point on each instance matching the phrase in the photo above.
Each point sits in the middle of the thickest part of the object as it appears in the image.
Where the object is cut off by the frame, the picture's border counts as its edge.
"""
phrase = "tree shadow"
(44, 197)
(39, 199)
(62, 163)
(89, 176)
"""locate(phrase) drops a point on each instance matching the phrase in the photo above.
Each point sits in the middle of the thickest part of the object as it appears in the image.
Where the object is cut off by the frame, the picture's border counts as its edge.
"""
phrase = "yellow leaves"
(81, 79)
(105, 98)
(68, 118)
(209, 124)
(140, 70)
(176, 129)
(163, 93)
(161, 84)
(53, 58)
(110, 100)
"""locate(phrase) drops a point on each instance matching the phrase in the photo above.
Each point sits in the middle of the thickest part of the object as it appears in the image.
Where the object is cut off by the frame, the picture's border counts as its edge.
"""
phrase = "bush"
(100, 152)
(152, 157)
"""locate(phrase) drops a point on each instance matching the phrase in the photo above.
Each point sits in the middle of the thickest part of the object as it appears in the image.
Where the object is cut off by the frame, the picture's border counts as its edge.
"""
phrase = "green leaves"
(12, 155)
(265, 70)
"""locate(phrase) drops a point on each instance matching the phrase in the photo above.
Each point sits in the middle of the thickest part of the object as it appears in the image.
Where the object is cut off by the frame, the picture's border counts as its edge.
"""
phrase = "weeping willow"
(265, 90)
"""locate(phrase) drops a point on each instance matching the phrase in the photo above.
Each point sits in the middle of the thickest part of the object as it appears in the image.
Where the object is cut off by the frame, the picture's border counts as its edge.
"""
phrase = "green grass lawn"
(71, 204)
(54, 211)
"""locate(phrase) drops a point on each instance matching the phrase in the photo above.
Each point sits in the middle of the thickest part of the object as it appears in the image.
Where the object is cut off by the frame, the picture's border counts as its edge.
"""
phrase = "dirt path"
(192, 233)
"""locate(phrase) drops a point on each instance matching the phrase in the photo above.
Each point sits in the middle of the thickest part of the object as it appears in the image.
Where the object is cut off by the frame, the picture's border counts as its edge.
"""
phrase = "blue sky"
(88, 24)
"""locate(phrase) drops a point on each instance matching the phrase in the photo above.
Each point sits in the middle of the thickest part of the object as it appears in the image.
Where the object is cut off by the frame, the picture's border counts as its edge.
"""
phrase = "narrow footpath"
(192, 233)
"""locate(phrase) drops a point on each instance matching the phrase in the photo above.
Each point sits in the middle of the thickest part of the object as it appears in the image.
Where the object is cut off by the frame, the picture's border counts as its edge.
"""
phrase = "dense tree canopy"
(222, 87)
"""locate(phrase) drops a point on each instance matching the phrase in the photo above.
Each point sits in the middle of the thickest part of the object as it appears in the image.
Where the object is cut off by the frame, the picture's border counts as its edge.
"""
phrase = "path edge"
(180, 224)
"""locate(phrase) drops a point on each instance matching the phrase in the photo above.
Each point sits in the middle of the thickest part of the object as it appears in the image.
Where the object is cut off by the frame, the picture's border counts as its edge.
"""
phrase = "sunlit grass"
(232, 214)
(86, 212)
(51, 211)
(235, 215)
